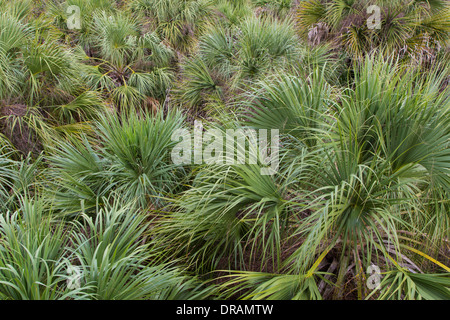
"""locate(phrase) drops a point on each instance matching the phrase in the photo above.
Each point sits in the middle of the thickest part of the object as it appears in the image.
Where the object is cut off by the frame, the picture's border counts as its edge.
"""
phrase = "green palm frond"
(198, 83)
(264, 286)
(291, 104)
(403, 285)
(265, 43)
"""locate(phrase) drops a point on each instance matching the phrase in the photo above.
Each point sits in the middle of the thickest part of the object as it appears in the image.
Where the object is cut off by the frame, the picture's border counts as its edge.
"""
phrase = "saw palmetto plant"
(348, 201)
(411, 29)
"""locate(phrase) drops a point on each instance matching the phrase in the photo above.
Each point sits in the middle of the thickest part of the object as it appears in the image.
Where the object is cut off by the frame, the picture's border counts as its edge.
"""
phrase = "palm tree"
(40, 78)
(408, 28)
(176, 21)
(132, 67)
(355, 206)
(106, 260)
(231, 58)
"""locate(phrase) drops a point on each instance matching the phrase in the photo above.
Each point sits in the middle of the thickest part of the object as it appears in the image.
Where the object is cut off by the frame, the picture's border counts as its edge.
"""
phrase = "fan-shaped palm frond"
(264, 44)
(32, 259)
(293, 105)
